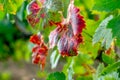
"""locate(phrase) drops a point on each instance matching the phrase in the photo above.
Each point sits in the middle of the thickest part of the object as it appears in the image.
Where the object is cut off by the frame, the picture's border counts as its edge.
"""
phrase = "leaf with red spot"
(36, 39)
(68, 44)
(33, 19)
(45, 10)
(54, 36)
(39, 55)
(76, 20)
(34, 9)
(40, 50)
(67, 35)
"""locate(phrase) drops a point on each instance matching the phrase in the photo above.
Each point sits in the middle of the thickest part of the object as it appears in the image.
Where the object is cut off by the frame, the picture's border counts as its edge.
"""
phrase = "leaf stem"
(88, 34)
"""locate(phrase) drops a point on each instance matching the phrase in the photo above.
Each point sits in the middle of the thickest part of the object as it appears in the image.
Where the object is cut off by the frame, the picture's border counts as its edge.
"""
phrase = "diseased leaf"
(54, 36)
(103, 33)
(56, 19)
(68, 44)
(36, 39)
(44, 10)
(33, 10)
(105, 5)
(67, 35)
(54, 5)
(56, 76)
(40, 50)
(33, 19)
(76, 20)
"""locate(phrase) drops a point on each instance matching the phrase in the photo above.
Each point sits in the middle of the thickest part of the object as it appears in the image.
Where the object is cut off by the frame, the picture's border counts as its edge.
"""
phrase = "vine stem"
(88, 34)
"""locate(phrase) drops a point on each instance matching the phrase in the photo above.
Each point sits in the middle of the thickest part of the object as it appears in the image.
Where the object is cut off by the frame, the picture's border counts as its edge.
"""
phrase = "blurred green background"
(15, 48)
(15, 54)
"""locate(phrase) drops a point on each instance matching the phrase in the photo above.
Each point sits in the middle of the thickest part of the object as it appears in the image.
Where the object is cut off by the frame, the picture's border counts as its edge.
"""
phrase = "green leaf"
(111, 68)
(11, 6)
(56, 18)
(54, 5)
(103, 33)
(65, 4)
(107, 59)
(105, 5)
(114, 24)
(110, 76)
(70, 70)
(22, 11)
(56, 76)
(84, 78)
(99, 70)
(54, 58)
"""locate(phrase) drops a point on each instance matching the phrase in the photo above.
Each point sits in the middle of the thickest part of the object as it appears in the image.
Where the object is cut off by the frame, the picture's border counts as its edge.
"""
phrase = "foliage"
(84, 34)
(56, 76)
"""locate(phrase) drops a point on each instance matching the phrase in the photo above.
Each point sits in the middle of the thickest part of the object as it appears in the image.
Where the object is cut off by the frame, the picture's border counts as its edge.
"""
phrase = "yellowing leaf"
(1, 7)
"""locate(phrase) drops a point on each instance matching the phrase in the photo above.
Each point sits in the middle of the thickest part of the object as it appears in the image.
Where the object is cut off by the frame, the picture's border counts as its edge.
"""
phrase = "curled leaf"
(55, 35)
(76, 20)
(67, 35)
(39, 51)
(67, 45)
(36, 39)
(33, 10)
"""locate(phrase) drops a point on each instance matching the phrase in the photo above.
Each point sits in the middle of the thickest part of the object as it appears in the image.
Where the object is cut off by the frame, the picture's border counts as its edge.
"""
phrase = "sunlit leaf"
(111, 68)
(103, 33)
(56, 76)
(104, 5)
(54, 58)
(107, 59)
(70, 70)
(77, 22)
(54, 5)
(114, 24)
(11, 6)
(110, 76)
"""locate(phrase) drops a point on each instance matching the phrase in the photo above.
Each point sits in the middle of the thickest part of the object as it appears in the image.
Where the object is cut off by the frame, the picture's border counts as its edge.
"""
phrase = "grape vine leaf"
(70, 70)
(45, 11)
(107, 59)
(111, 68)
(114, 24)
(110, 76)
(11, 6)
(54, 5)
(105, 5)
(98, 71)
(104, 33)
(56, 76)
(54, 59)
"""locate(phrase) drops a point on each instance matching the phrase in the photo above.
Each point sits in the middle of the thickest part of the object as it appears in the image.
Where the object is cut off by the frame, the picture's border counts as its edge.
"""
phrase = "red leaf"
(55, 35)
(68, 43)
(34, 12)
(40, 50)
(33, 7)
(76, 20)
(33, 19)
(39, 55)
(42, 1)
(67, 35)
(36, 39)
